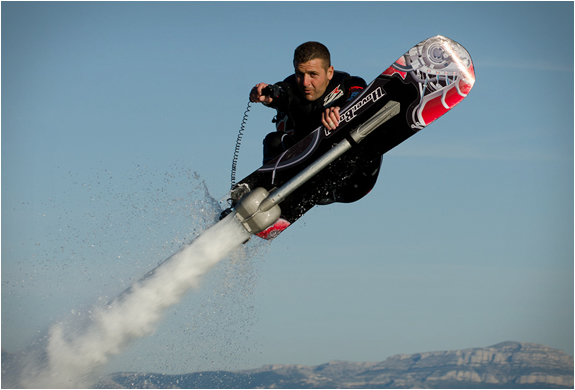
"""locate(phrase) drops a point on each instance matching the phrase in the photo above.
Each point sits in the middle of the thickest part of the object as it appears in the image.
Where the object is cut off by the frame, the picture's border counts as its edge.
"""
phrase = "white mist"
(71, 357)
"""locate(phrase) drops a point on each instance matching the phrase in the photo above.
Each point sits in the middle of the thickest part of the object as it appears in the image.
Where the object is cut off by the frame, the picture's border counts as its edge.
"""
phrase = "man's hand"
(330, 118)
(256, 94)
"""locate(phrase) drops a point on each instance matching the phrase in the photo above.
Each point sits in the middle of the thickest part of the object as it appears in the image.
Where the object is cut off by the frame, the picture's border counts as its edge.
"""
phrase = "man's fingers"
(256, 93)
(330, 119)
(333, 117)
(335, 112)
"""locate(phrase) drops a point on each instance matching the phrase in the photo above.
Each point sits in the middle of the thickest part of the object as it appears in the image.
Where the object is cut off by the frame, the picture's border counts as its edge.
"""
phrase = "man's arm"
(330, 117)
(354, 87)
(256, 95)
(281, 100)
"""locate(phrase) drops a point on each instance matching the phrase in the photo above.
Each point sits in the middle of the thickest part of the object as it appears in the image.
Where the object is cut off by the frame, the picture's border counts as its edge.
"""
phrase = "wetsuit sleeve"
(355, 85)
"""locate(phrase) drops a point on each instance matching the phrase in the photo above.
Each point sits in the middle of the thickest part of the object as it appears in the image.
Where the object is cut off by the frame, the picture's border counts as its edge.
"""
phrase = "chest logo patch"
(332, 96)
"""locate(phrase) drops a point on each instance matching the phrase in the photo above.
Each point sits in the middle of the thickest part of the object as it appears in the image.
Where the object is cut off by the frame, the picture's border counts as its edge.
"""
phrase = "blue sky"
(114, 114)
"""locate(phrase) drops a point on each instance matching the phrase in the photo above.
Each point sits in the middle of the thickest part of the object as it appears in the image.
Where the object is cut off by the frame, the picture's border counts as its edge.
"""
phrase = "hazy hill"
(505, 365)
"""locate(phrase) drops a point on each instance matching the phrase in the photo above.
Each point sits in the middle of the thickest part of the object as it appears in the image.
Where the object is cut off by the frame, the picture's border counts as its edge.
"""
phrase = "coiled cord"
(238, 145)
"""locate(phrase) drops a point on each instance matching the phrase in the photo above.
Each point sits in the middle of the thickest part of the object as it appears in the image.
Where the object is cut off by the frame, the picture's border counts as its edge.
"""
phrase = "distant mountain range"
(505, 365)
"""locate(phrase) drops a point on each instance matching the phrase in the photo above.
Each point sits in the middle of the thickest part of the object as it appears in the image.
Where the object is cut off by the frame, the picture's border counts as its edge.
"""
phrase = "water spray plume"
(72, 357)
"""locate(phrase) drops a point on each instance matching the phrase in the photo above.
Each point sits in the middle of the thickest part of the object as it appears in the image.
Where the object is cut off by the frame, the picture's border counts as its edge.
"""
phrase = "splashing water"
(135, 222)
(71, 359)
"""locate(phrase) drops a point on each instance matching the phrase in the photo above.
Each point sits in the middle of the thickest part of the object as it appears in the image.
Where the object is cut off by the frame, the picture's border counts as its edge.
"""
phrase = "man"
(311, 97)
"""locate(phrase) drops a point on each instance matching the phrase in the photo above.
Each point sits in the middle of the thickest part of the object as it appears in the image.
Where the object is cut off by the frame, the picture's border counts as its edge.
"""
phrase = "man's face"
(312, 78)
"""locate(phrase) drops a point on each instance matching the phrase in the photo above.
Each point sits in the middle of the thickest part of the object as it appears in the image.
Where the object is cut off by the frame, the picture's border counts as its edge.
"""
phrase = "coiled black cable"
(238, 144)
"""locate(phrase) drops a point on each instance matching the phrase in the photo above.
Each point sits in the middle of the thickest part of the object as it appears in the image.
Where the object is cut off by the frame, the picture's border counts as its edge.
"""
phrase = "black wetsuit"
(297, 117)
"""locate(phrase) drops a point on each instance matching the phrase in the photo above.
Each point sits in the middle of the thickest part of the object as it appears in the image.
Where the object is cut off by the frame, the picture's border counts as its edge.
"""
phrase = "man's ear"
(330, 73)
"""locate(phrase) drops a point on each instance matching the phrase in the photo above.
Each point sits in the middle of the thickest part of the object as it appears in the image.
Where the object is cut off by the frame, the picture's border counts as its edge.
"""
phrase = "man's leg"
(275, 144)
(360, 183)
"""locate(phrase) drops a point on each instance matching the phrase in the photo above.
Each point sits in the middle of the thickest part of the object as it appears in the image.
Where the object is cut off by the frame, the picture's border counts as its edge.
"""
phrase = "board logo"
(372, 97)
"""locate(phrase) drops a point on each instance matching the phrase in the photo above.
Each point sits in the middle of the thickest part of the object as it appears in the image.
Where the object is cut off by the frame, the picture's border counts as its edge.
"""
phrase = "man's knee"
(276, 143)
(360, 184)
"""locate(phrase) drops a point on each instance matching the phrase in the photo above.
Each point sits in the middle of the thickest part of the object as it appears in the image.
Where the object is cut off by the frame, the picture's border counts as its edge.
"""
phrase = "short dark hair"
(310, 51)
